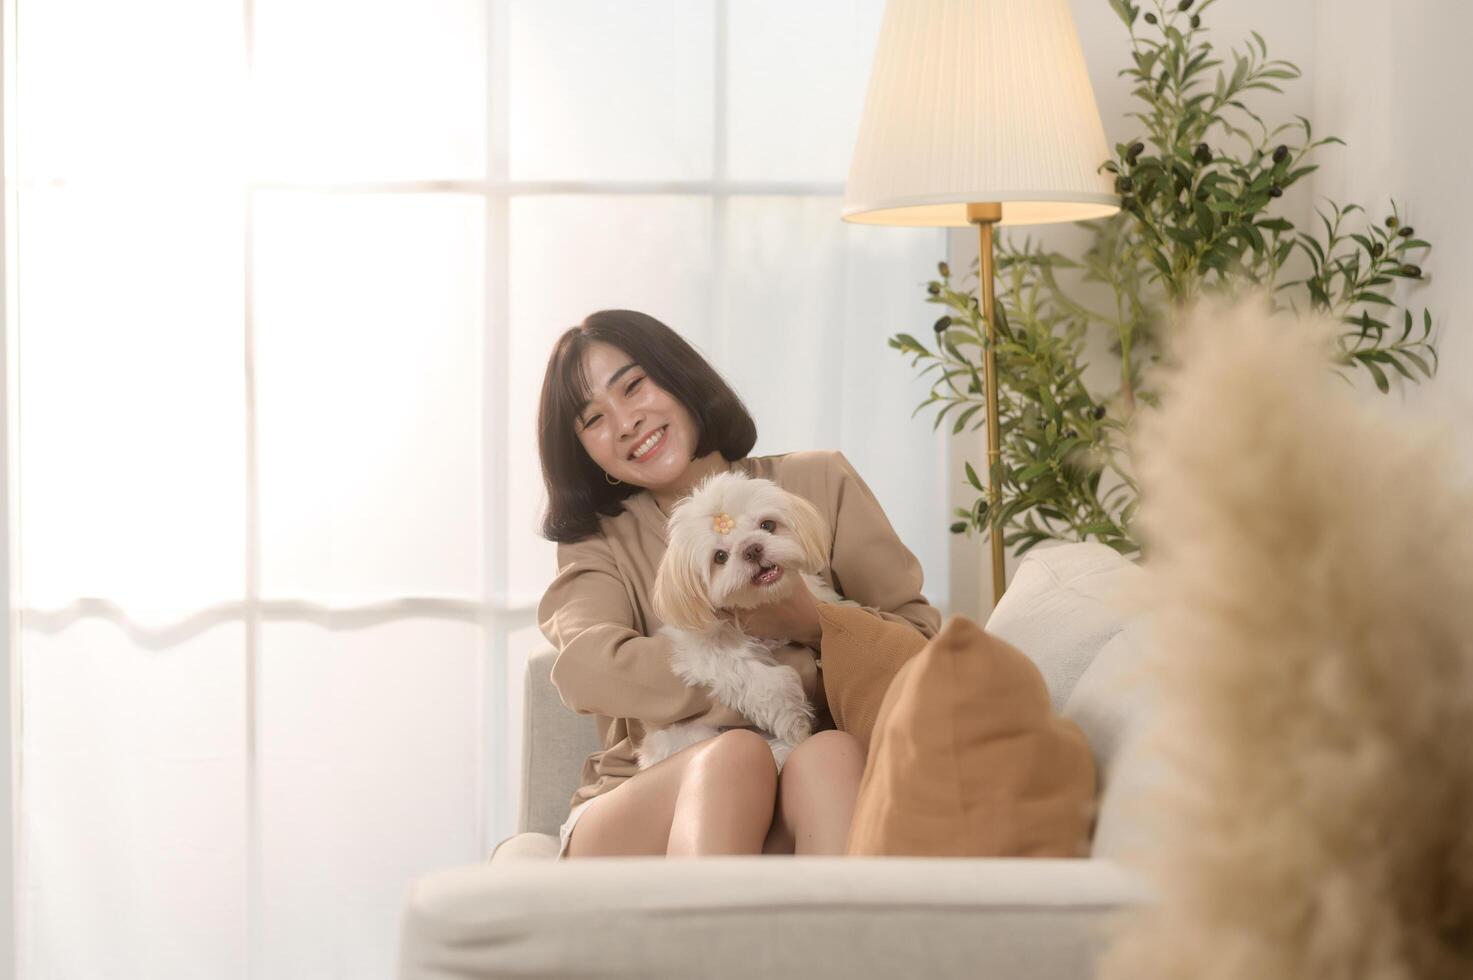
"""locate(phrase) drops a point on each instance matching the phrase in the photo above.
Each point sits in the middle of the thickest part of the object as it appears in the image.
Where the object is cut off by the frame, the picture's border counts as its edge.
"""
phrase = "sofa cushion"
(1065, 602)
(968, 759)
(861, 655)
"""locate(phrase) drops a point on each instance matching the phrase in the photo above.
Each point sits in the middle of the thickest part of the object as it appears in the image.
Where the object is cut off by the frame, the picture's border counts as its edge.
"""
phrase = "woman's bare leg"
(815, 796)
(714, 797)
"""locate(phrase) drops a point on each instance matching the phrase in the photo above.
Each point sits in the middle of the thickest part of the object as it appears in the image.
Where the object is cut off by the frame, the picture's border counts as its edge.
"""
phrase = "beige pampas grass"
(1309, 575)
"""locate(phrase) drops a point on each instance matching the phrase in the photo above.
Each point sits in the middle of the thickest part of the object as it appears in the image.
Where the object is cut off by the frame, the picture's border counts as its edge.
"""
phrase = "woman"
(631, 419)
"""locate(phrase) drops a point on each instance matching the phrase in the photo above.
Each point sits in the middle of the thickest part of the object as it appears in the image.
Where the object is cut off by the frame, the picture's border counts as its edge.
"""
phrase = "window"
(283, 280)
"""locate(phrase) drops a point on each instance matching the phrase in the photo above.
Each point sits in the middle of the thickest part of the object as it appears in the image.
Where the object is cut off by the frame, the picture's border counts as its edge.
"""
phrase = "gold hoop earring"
(612, 483)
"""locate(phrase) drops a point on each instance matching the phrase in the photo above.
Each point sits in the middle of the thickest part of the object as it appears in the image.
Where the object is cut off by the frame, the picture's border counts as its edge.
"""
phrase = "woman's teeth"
(654, 440)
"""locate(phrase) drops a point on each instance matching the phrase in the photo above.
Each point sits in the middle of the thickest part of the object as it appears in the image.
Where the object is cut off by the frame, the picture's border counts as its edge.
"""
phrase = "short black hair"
(577, 492)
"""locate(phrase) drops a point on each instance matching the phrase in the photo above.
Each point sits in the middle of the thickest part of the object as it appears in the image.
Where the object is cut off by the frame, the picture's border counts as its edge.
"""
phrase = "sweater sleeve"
(604, 665)
(871, 565)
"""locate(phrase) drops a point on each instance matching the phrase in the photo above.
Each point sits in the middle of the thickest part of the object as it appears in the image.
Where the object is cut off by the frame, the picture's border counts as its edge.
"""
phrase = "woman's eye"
(632, 384)
(591, 421)
(768, 525)
(721, 558)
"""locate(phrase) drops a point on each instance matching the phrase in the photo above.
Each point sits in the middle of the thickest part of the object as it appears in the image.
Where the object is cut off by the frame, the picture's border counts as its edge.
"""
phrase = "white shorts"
(567, 828)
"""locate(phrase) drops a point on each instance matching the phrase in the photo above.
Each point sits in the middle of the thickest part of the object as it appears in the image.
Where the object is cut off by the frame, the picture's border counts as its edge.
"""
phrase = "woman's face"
(625, 409)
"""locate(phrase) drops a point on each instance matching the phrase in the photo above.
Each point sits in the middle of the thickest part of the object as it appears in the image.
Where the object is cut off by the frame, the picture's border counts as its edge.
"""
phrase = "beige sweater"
(597, 611)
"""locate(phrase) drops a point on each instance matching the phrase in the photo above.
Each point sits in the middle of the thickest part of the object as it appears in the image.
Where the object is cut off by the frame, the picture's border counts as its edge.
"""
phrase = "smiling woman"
(629, 406)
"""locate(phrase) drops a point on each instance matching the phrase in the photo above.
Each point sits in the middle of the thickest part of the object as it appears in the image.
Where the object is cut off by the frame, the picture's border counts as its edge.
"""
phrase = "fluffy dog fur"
(1309, 561)
(707, 571)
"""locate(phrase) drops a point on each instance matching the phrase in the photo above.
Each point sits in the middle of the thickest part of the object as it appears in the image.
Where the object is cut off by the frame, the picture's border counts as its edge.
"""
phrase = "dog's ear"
(812, 531)
(679, 596)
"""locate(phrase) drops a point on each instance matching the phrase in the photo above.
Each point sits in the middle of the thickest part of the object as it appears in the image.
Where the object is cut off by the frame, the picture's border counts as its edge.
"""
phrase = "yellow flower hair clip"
(724, 524)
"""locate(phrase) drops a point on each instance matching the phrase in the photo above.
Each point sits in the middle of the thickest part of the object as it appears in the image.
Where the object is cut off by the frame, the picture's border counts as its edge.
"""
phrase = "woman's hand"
(795, 618)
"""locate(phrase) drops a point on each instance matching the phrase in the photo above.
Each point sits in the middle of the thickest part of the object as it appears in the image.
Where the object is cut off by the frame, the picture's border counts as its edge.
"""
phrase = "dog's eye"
(768, 525)
(721, 558)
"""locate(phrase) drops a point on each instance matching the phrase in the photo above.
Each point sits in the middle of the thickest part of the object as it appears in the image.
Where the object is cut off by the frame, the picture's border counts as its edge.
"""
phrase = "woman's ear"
(679, 596)
(812, 531)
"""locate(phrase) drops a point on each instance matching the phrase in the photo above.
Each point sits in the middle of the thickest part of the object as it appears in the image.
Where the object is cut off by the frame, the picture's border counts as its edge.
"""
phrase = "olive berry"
(1281, 153)
(933, 288)
(943, 323)
(1275, 191)
(1204, 153)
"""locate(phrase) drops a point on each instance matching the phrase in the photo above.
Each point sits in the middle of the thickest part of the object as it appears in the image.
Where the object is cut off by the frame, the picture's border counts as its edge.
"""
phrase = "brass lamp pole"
(984, 216)
(979, 101)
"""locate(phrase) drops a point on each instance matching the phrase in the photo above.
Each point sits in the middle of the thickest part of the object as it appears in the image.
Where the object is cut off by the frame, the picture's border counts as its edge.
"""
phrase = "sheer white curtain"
(282, 278)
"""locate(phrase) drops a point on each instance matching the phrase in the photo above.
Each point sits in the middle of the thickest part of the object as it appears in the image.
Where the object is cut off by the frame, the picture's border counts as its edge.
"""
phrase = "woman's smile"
(660, 433)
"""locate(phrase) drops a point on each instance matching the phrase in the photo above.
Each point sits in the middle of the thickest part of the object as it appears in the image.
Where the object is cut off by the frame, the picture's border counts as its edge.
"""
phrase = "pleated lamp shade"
(978, 101)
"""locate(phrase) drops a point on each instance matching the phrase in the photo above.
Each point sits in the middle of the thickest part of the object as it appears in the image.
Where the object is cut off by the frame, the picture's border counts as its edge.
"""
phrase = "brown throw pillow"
(967, 758)
(861, 654)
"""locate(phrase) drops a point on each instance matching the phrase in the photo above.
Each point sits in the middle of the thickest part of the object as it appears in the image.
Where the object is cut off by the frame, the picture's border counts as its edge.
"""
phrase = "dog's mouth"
(767, 574)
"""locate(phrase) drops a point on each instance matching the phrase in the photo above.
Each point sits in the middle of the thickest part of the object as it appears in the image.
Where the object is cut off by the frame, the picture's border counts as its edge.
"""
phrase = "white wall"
(1393, 81)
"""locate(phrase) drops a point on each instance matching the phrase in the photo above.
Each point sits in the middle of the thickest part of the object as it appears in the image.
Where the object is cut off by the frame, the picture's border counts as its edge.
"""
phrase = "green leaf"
(910, 342)
(1379, 375)
(1401, 369)
(972, 477)
(961, 420)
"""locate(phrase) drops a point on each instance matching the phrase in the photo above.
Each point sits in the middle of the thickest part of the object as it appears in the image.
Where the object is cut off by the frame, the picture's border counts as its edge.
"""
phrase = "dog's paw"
(795, 722)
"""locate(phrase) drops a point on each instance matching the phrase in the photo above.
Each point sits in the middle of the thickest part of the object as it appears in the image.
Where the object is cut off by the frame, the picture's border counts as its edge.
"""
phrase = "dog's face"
(736, 542)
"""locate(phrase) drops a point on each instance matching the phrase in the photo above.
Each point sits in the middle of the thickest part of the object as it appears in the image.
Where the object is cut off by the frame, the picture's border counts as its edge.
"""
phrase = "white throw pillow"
(1113, 705)
(1061, 608)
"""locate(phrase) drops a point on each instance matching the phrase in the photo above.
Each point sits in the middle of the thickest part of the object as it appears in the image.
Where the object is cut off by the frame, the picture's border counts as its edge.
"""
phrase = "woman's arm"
(871, 565)
(604, 665)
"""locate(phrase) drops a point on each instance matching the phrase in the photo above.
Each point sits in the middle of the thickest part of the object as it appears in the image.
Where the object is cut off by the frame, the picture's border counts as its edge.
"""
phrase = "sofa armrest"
(747, 916)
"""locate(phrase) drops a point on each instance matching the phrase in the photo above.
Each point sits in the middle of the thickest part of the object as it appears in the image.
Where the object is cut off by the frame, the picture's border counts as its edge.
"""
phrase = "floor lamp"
(979, 112)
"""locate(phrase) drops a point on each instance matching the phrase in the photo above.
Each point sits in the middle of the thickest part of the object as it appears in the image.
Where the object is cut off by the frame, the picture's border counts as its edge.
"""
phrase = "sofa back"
(555, 742)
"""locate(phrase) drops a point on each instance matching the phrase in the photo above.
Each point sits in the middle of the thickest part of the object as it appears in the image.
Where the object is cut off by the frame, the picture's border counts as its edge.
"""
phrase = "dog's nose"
(753, 552)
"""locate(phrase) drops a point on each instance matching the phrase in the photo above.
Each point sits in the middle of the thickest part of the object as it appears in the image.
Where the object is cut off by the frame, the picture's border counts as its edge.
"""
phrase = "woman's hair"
(577, 491)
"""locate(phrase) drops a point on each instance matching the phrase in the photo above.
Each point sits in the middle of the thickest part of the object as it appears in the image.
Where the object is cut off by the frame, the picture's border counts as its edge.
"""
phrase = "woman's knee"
(831, 750)
(738, 754)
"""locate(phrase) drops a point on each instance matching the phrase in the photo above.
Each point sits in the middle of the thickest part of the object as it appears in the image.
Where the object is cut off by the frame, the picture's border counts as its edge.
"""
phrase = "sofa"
(521, 913)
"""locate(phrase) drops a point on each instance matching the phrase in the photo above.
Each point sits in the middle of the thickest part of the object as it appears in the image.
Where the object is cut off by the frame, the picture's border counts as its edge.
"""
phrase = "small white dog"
(736, 543)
